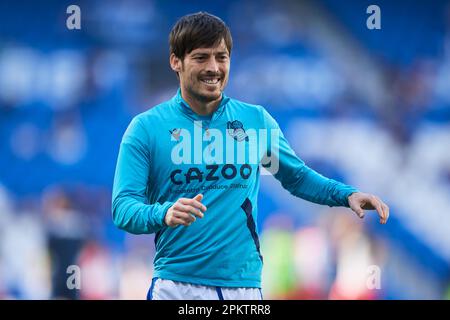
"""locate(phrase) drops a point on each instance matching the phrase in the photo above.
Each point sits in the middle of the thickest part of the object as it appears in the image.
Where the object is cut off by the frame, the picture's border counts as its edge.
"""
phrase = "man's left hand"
(359, 202)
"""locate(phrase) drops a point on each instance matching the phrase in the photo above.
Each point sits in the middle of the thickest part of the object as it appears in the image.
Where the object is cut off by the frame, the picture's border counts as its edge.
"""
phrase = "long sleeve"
(130, 210)
(300, 180)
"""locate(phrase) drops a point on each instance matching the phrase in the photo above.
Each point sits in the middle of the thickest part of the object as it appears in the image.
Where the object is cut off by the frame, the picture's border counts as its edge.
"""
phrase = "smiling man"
(188, 170)
(203, 72)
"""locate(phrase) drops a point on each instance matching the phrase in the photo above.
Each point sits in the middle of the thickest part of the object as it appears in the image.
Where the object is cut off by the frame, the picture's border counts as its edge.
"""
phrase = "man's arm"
(130, 210)
(303, 182)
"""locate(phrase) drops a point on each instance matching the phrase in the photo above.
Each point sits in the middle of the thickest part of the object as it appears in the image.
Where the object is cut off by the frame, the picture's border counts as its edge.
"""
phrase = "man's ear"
(175, 63)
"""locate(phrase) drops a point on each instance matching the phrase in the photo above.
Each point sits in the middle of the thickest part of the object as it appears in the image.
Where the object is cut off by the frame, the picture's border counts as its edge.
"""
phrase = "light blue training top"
(169, 152)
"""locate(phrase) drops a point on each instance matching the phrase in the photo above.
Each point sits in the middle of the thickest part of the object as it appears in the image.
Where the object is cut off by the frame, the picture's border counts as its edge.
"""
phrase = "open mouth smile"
(210, 81)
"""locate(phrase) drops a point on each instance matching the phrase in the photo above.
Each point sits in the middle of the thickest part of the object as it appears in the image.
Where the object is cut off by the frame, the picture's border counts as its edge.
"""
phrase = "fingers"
(193, 202)
(177, 222)
(385, 209)
(362, 201)
(356, 203)
(358, 210)
(175, 218)
(188, 209)
(185, 211)
(198, 197)
(382, 209)
(185, 218)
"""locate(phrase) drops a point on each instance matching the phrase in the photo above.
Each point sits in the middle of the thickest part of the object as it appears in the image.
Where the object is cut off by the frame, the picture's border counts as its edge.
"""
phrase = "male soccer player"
(188, 170)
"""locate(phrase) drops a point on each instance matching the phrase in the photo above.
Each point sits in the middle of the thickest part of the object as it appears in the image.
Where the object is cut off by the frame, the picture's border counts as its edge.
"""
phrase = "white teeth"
(210, 81)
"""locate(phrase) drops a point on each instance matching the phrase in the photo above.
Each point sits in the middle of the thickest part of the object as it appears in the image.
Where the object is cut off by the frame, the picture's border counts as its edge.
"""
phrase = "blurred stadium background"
(368, 107)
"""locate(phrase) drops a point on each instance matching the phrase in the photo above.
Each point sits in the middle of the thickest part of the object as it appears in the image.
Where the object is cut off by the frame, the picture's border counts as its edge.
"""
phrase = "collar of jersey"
(186, 109)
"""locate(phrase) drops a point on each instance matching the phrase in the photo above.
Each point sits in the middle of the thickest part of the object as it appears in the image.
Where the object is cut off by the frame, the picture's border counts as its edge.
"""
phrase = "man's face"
(203, 72)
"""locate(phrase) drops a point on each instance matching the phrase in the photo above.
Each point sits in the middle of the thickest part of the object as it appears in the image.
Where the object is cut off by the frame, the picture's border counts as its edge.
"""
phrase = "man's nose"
(212, 65)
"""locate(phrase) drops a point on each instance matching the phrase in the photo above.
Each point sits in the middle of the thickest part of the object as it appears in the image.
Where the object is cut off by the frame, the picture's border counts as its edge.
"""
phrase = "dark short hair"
(198, 30)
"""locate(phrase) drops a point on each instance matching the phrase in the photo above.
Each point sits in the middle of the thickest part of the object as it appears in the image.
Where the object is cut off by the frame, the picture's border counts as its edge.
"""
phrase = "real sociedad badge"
(236, 130)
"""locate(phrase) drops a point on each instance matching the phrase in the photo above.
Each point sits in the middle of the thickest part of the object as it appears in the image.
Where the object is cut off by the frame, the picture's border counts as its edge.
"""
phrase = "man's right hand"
(184, 211)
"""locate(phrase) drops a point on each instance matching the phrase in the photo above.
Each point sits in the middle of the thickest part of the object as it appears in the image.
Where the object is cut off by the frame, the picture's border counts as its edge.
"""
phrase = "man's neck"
(200, 107)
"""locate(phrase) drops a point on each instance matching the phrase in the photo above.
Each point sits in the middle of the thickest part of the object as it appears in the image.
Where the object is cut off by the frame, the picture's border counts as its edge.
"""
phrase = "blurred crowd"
(367, 107)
